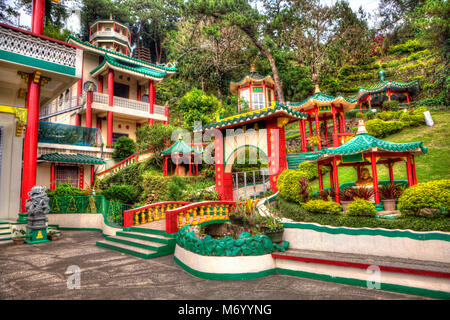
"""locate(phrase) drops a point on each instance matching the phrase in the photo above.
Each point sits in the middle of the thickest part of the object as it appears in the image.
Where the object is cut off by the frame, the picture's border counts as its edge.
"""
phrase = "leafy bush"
(409, 46)
(121, 193)
(65, 190)
(155, 187)
(176, 187)
(380, 129)
(288, 185)
(123, 148)
(390, 192)
(389, 105)
(196, 105)
(360, 207)
(308, 170)
(428, 195)
(413, 118)
(322, 207)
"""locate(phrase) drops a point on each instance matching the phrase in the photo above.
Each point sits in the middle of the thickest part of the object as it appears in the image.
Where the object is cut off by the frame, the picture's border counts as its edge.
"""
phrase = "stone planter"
(345, 204)
(17, 241)
(275, 235)
(389, 204)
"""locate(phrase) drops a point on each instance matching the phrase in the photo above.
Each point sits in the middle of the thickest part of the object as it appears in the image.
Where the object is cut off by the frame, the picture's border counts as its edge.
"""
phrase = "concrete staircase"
(140, 242)
(5, 232)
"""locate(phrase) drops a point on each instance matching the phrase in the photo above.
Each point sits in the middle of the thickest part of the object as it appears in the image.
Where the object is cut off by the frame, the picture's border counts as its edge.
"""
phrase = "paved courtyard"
(39, 271)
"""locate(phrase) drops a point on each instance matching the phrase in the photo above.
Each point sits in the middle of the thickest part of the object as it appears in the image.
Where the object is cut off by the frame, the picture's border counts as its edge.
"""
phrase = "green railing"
(59, 133)
(112, 211)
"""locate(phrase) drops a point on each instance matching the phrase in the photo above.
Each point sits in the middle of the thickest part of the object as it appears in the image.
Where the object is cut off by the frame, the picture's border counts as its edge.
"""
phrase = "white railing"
(36, 47)
(131, 104)
(59, 105)
(249, 183)
(110, 34)
(103, 98)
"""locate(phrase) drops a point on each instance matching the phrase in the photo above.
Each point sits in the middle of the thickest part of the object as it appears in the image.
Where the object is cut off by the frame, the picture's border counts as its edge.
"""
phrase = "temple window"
(67, 174)
(258, 100)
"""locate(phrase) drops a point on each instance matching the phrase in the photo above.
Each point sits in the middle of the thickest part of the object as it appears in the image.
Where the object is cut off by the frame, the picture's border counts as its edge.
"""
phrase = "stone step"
(128, 249)
(146, 236)
(147, 230)
(419, 267)
(145, 244)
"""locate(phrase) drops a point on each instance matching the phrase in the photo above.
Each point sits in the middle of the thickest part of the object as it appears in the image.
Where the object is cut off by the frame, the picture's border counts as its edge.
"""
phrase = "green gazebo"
(179, 150)
(365, 150)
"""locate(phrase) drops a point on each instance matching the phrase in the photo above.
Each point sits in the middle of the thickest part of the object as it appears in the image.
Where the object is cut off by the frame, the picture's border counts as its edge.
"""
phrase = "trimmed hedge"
(288, 185)
(427, 195)
(361, 207)
(380, 129)
(296, 212)
(322, 207)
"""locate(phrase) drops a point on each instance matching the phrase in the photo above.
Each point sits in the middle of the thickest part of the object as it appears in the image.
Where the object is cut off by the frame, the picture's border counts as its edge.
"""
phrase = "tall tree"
(241, 14)
(393, 12)
(8, 13)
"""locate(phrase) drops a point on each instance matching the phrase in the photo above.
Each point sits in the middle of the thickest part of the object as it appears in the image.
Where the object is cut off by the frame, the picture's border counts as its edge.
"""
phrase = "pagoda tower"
(111, 35)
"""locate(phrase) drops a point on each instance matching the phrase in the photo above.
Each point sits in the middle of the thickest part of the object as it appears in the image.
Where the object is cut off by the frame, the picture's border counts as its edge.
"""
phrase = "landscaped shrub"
(308, 170)
(414, 118)
(155, 187)
(380, 129)
(123, 148)
(360, 207)
(390, 105)
(409, 46)
(65, 190)
(422, 198)
(322, 207)
(288, 185)
(121, 193)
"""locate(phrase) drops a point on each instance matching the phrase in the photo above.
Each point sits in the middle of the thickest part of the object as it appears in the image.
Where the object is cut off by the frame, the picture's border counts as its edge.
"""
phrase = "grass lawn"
(434, 165)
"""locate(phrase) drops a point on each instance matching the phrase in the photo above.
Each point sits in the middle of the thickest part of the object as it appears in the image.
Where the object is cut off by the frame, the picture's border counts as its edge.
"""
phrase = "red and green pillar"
(151, 99)
(276, 147)
(224, 183)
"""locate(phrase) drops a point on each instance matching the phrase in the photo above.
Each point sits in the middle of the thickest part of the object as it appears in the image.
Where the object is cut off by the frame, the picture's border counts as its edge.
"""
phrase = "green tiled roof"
(159, 66)
(322, 98)
(364, 142)
(384, 85)
(179, 147)
(71, 158)
(257, 114)
(130, 66)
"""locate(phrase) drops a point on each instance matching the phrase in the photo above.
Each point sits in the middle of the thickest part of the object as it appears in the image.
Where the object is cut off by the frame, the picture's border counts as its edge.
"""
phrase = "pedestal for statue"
(38, 208)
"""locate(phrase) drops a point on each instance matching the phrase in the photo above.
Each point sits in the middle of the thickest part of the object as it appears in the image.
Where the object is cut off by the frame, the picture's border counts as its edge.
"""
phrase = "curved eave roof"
(71, 158)
(321, 100)
(110, 21)
(364, 142)
(168, 68)
(411, 87)
(254, 77)
(127, 67)
(276, 109)
(179, 147)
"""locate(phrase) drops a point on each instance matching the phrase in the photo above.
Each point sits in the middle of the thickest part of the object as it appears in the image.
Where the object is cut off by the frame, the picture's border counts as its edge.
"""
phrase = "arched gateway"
(260, 130)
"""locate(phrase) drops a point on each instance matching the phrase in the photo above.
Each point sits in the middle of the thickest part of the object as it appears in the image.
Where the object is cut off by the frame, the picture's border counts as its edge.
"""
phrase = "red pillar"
(333, 111)
(31, 138)
(37, 20)
(413, 170)
(408, 170)
(109, 133)
(92, 174)
(331, 179)
(358, 172)
(166, 113)
(99, 123)
(344, 126)
(276, 145)
(151, 100)
(391, 173)
(190, 174)
(310, 128)
(79, 94)
(336, 180)
(373, 161)
(318, 127)
(304, 135)
(320, 178)
(326, 132)
(52, 177)
(89, 98)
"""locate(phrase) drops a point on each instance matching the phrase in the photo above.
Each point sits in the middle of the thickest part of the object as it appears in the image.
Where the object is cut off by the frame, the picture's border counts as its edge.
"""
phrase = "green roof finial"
(382, 74)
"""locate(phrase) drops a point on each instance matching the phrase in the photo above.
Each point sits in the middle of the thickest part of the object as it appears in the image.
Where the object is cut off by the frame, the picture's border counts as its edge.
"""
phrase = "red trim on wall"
(427, 273)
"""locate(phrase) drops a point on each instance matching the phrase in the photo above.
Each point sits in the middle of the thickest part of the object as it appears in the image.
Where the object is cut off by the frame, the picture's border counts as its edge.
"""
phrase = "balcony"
(133, 109)
(109, 34)
(59, 133)
(60, 105)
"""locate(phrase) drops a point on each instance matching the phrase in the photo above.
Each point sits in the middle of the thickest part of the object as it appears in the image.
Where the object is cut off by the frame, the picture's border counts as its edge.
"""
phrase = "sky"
(370, 6)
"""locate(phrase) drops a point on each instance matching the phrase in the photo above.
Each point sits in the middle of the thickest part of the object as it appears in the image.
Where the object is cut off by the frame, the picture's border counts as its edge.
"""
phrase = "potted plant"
(388, 194)
(237, 214)
(314, 143)
(345, 197)
(274, 229)
(18, 236)
(52, 235)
